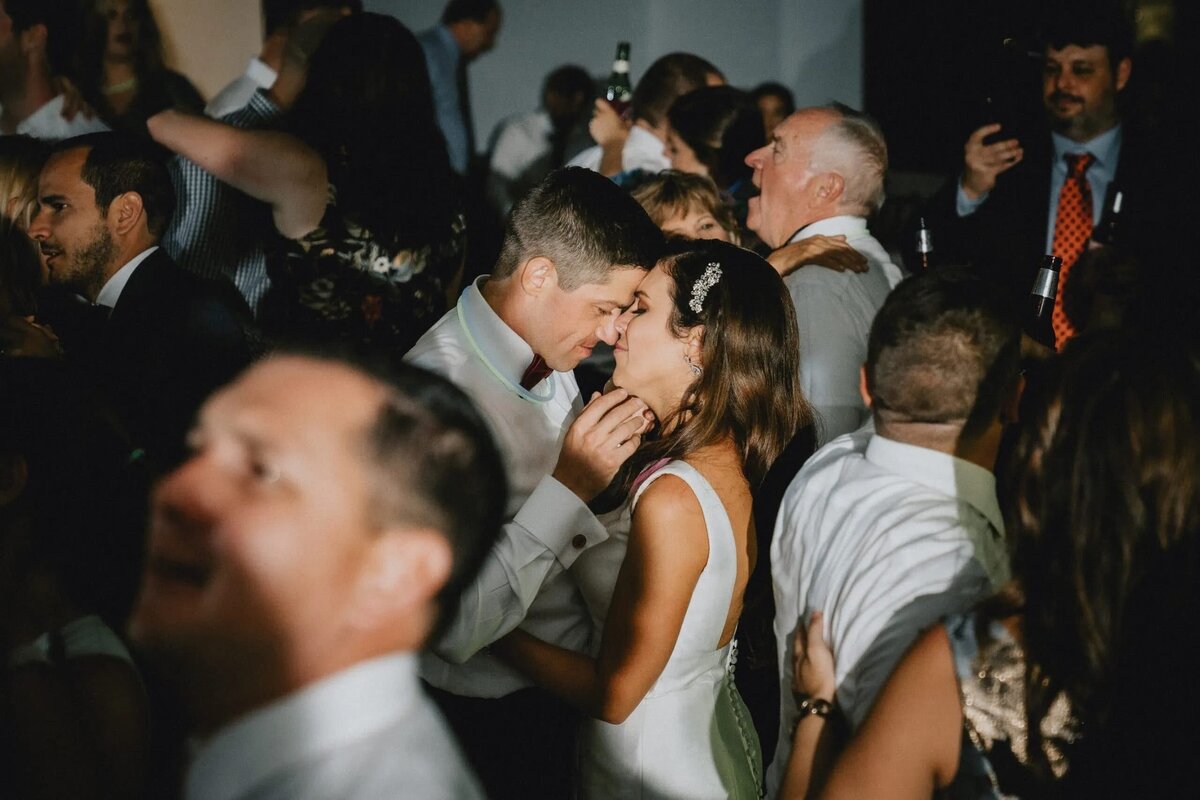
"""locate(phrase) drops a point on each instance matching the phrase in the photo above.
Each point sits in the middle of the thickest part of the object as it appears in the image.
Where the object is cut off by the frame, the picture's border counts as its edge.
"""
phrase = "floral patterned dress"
(340, 284)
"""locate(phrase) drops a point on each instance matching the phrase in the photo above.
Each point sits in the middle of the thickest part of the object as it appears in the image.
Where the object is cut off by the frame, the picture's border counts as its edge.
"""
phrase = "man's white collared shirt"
(237, 94)
(365, 732)
(524, 581)
(885, 538)
(110, 293)
(47, 123)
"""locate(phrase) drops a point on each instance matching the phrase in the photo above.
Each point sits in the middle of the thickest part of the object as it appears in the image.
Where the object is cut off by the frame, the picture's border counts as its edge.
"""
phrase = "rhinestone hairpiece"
(702, 285)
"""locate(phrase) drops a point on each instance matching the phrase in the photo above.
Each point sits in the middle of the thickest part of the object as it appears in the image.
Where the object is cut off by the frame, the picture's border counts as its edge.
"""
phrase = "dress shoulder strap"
(680, 469)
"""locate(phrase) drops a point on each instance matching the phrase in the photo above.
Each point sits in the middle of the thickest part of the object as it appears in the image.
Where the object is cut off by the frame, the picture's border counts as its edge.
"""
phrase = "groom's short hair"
(585, 224)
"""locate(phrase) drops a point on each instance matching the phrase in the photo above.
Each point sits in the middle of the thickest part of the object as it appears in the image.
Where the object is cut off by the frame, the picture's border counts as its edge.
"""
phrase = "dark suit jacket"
(1005, 238)
(170, 341)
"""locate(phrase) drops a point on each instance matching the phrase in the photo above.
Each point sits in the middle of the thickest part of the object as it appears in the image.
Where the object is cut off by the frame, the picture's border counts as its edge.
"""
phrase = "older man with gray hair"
(822, 175)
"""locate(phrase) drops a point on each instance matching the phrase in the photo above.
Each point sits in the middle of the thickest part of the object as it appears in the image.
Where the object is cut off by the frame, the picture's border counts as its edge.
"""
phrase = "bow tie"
(535, 373)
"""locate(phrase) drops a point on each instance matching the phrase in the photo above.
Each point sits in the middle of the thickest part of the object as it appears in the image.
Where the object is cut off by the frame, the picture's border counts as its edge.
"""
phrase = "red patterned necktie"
(1072, 229)
(535, 373)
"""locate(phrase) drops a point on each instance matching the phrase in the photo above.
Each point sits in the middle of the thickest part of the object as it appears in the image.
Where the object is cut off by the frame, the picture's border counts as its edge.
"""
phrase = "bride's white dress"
(691, 737)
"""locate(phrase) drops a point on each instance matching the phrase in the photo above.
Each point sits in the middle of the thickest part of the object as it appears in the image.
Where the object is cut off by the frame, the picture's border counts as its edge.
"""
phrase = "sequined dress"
(691, 737)
(994, 758)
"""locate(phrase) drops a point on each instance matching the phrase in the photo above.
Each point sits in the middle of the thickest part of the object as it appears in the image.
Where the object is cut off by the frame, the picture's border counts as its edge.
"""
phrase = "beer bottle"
(1039, 324)
(620, 92)
(924, 247)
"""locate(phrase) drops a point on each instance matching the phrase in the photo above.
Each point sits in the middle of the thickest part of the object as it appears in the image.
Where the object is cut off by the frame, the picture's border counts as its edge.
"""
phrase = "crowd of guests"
(620, 459)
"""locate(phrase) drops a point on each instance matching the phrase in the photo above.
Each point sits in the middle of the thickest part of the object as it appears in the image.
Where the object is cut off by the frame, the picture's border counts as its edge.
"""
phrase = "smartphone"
(990, 113)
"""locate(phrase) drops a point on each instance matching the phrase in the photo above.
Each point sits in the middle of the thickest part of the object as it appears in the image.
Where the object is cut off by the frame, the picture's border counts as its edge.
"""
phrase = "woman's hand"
(814, 746)
(813, 661)
(830, 252)
(73, 102)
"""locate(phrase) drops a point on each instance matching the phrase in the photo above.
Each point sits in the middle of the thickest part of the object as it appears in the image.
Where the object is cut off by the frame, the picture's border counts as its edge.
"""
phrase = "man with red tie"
(575, 250)
(1017, 199)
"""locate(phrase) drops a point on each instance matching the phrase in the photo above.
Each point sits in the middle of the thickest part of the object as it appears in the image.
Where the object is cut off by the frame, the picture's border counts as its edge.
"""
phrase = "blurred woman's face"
(683, 157)
(123, 28)
(696, 224)
(773, 112)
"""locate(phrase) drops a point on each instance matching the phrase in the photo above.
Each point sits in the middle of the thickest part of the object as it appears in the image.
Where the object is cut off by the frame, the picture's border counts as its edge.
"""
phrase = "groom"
(575, 250)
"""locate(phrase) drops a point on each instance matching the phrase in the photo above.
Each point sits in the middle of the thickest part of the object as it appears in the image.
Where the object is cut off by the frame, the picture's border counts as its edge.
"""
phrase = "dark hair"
(118, 163)
(667, 78)
(20, 273)
(569, 80)
(773, 89)
(367, 108)
(1105, 517)
(27, 13)
(59, 17)
(584, 223)
(476, 10)
(944, 347)
(750, 386)
(284, 14)
(434, 462)
(722, 125)
(148, 63)
(1086, 23)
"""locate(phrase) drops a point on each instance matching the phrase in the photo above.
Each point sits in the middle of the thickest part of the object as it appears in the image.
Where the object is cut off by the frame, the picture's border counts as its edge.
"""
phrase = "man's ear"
(828, 188)
(863, 386)
(14, 477)
(537, 275)
(126, 213)
(1124, 70)
(404, 571)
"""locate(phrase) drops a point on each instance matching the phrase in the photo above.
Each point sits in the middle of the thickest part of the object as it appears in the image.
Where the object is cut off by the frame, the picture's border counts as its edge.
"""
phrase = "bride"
(710, 345)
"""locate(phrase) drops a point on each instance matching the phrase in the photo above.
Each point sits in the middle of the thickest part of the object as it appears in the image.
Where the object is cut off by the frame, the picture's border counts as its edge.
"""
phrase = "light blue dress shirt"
(441, 57)
(1106, 148)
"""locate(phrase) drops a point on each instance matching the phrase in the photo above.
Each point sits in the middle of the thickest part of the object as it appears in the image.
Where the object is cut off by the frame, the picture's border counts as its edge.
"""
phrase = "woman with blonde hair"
(21, 160)
(687, 205)
(22, 271)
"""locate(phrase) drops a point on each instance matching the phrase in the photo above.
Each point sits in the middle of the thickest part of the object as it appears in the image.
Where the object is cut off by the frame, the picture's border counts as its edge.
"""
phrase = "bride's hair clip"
(702, 285)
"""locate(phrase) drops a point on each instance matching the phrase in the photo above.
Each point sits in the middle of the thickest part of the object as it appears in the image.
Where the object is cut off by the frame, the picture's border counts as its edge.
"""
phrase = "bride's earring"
(696, 369)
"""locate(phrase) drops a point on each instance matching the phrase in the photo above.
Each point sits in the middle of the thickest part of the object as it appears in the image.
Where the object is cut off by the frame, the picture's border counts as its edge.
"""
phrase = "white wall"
(813, 46)
(210, 41)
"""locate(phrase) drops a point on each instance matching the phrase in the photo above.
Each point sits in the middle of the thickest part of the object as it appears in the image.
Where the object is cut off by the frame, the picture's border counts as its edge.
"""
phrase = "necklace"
(512, 385)
(127, 85)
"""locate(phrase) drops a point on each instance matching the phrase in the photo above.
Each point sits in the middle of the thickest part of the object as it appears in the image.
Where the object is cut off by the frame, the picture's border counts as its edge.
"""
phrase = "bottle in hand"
(924, 247)
(1039, 319)
(620, 91)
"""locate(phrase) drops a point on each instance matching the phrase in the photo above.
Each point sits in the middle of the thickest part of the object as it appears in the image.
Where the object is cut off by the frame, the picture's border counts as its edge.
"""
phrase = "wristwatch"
(810, 707)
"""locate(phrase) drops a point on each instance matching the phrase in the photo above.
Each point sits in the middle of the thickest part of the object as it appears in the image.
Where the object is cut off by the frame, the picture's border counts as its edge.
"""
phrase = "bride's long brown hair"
(750, 385)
